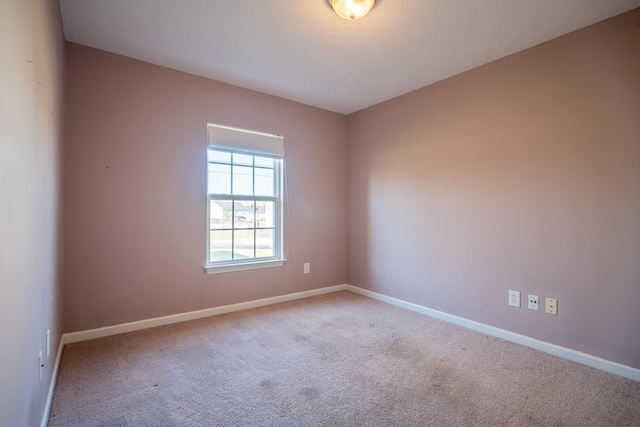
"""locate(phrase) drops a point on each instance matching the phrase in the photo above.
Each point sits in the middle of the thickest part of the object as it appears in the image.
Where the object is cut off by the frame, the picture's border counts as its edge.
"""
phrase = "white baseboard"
(556, 350)
(52, 384)
(192, 315)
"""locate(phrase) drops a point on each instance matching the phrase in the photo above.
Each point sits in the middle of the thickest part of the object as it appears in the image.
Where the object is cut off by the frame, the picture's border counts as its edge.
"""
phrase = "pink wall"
(135, 191)
(522, 174)
(31, 109)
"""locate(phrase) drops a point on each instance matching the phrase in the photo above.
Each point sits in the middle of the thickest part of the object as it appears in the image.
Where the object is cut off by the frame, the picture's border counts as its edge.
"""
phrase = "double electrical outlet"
(551, 304)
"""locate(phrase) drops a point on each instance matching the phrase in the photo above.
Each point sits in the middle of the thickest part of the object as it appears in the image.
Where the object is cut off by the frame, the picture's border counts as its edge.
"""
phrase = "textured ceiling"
(300, 50)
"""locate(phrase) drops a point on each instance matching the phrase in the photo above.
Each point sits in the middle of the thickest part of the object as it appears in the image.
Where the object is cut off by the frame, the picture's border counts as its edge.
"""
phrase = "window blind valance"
(243, 140)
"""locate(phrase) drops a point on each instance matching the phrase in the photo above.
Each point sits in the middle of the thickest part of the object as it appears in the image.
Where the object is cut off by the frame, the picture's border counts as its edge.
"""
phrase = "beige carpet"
(334, 360)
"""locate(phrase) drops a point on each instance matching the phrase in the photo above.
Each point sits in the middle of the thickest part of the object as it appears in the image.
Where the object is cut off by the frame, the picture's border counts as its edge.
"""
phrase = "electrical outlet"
(551, 306)
(40, 366)
(514, 298)
(48, 342)
(533, 302)
(307, 267)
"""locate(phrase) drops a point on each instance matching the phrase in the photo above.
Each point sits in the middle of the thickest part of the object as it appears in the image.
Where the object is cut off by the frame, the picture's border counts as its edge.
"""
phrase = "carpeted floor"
(333, 360)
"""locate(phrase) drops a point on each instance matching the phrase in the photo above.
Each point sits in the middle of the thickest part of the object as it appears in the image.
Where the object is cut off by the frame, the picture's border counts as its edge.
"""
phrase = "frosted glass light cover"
(352, 9)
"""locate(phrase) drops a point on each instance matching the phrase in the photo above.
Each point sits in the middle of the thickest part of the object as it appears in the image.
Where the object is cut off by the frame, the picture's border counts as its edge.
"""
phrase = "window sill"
(253, 265)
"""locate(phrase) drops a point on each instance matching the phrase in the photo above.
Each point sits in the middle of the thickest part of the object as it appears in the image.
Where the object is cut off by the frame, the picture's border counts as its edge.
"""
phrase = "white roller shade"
(242, 140)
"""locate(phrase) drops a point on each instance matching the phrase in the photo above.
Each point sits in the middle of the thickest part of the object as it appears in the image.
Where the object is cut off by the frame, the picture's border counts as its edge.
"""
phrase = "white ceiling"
(300, 50)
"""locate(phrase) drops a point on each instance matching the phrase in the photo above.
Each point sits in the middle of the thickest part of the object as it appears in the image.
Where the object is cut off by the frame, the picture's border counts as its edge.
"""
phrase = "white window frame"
(248, 143)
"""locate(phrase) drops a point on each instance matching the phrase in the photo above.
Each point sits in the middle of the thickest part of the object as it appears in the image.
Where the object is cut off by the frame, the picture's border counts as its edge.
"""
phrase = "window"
(244, 200)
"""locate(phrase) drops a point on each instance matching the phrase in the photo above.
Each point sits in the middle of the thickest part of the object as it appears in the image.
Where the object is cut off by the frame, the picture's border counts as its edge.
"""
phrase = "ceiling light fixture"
(351, 9)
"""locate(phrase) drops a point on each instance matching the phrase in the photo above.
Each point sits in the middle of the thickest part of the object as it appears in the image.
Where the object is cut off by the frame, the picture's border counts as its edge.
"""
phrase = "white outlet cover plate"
(40, 366)
(533, 302)
(514, 298)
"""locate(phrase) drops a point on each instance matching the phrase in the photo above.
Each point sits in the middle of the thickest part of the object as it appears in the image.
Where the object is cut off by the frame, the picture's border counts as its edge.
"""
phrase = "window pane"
(243, 244)
(242, 180)
(264, 182)
(243, 230)
(219, 179)
(264, 243)
(264, 214)
(266, 162)
(218, 156)
(220, 214)
(244, 214)
(220, 246)
(242, 159)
